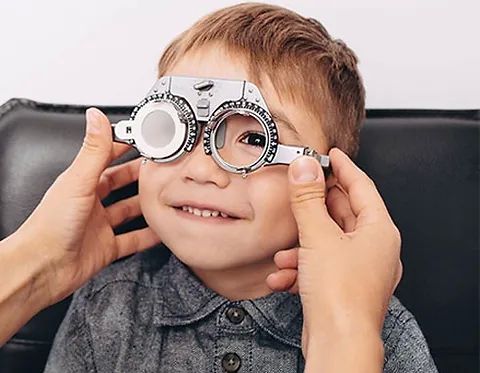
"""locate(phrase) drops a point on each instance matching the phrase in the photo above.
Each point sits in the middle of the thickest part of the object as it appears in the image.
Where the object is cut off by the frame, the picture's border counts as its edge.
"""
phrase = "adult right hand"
(346, 267)
(71, 231)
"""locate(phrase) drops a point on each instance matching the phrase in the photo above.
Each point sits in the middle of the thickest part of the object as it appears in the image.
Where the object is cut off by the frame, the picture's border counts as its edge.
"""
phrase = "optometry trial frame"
(168, 122)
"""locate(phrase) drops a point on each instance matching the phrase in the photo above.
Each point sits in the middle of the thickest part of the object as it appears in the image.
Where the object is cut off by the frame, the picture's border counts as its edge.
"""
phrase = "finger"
(281, 280)
(118, 176)
(94, 155)
(123, 211)
(365, 201)
(286, 258)
(294, 288)
(307, 199)
(339, 208)
(119, 149)
(135, 241)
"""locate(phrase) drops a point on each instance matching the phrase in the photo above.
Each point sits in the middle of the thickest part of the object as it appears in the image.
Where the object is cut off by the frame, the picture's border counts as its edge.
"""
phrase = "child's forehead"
(217, 61)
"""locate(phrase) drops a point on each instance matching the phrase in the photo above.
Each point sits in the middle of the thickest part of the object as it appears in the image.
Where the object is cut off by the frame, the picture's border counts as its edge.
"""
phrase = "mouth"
(205, 213)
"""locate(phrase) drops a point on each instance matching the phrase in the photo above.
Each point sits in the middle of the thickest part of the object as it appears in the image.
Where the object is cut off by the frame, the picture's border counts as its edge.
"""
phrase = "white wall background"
(413, 53)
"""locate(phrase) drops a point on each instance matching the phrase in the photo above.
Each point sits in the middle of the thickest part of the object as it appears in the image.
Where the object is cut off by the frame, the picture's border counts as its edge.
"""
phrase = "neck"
(245, 282)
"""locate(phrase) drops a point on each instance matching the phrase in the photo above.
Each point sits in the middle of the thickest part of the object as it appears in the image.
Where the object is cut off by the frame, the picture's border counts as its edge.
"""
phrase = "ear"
(331, 181)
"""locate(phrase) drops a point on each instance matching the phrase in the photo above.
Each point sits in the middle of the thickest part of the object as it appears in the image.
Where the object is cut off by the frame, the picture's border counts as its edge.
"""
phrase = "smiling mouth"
(205, 213)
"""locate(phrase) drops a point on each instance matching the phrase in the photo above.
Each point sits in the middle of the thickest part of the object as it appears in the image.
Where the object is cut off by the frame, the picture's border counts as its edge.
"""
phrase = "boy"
(206, 307)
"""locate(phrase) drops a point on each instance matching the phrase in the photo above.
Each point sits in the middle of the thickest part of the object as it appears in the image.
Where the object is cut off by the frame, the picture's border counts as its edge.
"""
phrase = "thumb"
(95, 153)
(307, 199)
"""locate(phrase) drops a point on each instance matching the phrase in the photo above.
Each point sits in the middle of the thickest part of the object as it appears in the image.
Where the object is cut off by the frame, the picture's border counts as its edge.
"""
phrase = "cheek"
(152, 181)
(269, 197)
(145, 186)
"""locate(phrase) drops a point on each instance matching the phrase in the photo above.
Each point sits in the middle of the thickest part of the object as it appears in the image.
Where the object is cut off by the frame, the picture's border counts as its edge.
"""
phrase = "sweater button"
(236, 315)
(231, 362)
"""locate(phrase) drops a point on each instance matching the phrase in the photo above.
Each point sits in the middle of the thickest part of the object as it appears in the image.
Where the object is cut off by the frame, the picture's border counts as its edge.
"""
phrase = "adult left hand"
(69, 237)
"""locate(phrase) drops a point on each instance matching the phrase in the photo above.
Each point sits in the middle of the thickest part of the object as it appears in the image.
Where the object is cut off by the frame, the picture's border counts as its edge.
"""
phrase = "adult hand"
(348, 261)
(70, 230)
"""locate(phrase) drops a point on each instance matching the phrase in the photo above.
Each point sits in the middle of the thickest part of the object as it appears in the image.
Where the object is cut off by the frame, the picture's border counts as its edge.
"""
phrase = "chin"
(208, 257)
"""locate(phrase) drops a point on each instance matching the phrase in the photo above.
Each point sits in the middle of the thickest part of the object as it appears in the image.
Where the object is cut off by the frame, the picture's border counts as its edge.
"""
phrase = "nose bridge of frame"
(199, 148)
(199, 140)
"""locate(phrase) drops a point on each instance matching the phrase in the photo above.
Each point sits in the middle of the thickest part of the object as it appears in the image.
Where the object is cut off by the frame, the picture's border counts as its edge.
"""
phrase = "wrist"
(341, 319)
(24, 291)
(28, 270)
(359, 350)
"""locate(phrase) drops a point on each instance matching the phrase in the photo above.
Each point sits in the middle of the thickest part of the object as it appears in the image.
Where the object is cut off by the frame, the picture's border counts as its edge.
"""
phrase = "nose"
(202, 169)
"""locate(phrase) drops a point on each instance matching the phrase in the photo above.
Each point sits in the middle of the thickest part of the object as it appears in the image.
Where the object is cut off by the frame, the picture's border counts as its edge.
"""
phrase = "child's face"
(264, 222)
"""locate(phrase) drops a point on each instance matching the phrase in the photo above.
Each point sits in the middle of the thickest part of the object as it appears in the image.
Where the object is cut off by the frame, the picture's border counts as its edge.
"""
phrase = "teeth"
(197, 212)
(204, 213)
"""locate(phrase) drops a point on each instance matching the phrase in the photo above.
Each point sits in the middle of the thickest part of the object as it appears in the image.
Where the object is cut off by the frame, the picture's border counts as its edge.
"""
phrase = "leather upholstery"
(425, 164)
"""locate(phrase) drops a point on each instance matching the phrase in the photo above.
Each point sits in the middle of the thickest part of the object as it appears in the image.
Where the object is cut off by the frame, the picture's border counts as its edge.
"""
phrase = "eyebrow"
(283, 120)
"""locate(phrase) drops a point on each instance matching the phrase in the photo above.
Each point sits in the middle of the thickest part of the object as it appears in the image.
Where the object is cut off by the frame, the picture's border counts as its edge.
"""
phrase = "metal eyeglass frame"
(214, 100)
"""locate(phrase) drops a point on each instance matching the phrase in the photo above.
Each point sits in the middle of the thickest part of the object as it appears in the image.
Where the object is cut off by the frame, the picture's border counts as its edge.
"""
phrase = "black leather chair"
(424, 162)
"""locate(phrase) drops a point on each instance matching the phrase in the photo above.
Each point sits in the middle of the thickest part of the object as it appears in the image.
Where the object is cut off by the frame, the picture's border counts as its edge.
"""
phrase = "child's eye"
(254, 139)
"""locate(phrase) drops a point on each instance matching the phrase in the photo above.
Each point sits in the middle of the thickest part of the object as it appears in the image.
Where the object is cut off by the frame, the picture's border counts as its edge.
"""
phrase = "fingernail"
(305, 169)
(93, 125)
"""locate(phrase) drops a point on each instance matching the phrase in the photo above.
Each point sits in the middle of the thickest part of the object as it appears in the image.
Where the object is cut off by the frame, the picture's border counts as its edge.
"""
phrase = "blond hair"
(303, 62)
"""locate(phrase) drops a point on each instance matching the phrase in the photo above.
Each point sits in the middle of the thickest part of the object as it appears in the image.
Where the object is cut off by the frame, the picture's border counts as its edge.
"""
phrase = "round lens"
(158, 128)
(240, 140)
